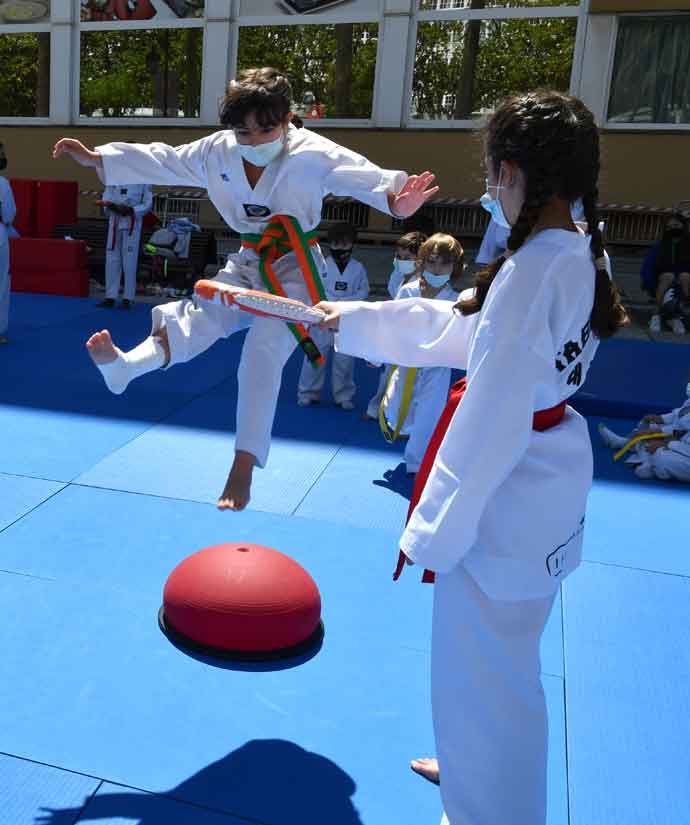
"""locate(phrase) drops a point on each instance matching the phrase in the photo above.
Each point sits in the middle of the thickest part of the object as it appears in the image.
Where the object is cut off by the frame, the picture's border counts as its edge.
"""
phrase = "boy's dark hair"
(265, 92)
(411, 242)
(553, 139)
(339, 232)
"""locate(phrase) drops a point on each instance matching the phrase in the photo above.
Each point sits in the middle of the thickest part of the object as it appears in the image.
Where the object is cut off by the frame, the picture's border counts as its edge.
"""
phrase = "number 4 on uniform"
(575, 376)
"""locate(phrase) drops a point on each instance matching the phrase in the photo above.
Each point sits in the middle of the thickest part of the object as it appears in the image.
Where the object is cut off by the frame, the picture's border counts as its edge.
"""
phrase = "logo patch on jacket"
(255, 210)
(123, 191)
(341, 286)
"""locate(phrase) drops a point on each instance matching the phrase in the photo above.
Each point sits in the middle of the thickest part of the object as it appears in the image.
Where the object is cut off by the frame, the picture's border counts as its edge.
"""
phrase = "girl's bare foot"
(235, 495)
(427, 768)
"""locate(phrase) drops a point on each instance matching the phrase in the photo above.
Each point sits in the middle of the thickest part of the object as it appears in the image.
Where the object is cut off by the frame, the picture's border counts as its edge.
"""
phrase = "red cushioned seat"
(74, 283)
(24, 192)
(243, 601)
(57, 201)
(47, 254)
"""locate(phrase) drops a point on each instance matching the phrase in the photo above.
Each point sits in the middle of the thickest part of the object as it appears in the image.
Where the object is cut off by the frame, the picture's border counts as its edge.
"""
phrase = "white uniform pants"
(193, 327)
(430, 396)
(4, 287)
(375, 401)
(488, 704)
(670, 463)
(312, 379)
(122, 255)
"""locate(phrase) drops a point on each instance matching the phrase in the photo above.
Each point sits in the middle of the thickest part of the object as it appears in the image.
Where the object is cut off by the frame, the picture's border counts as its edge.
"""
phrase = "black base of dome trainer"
(310, 644)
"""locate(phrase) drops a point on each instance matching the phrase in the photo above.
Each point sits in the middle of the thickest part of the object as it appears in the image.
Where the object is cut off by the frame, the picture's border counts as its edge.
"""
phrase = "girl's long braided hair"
(553, 139)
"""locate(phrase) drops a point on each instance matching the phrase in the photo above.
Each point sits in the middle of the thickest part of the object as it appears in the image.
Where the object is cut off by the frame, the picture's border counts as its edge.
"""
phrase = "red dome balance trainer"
(242, 601)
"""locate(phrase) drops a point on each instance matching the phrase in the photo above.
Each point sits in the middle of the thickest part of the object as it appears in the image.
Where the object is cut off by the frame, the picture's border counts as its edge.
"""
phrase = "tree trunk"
(470, 50)
(344, 36)
(191, 97)
(43, 75)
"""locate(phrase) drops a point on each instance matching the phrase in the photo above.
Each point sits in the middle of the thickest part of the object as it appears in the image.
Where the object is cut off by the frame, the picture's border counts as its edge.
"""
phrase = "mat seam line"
(35, 507)
(103, 781)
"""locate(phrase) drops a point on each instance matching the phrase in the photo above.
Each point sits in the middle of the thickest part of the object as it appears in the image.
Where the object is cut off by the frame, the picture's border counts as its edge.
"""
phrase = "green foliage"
(512, 56)
(123, 72)
(19, 86)
(306, 54)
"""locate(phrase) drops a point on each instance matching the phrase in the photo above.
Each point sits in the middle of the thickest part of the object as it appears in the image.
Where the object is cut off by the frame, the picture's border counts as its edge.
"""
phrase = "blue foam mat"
(630, 378)
(19, 495)
(627, 696)
(115, 804)
(30, 793)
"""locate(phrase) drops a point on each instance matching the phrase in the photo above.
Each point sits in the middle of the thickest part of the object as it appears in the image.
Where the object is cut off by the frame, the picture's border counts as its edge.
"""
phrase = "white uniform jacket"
(295, 183)
(506, 501)
(351, 284)
(138, 196)
(8, 209)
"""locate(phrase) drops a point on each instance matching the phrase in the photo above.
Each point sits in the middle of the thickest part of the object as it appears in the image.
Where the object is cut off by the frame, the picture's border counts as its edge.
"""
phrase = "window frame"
(617, 126)
(500, 13)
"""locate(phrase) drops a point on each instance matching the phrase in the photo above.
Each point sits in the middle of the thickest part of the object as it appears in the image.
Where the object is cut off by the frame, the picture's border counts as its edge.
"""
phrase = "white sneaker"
(611, 439)
(655, 323)
(677, 327)
(347, 405)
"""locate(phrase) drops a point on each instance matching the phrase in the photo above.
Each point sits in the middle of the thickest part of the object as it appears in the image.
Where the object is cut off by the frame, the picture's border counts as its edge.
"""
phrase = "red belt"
(543, 420)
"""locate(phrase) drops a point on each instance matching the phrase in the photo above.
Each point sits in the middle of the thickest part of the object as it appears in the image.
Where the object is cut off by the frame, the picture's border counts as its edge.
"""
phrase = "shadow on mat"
(266, 780)
(397, 480)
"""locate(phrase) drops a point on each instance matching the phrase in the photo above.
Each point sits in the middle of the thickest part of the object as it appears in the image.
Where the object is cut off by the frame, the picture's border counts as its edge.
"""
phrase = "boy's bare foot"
(427, 768)
(101, 348)
(235, 495)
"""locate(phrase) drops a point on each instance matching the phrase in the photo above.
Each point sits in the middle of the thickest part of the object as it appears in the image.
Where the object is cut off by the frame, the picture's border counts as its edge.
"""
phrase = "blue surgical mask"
(263, 153)
(493, 205)
(436, 280)
(403, 266)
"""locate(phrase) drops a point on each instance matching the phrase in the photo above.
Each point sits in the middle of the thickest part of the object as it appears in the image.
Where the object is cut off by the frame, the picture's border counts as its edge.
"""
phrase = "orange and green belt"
(282, 235)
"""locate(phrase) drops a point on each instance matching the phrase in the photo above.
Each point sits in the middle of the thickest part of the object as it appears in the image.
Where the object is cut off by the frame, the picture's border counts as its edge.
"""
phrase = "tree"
(132, 72)
(25, 79)
(318, 59)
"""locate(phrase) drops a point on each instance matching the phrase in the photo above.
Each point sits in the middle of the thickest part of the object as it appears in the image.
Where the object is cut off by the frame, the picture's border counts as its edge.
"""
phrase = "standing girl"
(500, 518)
(268, 181)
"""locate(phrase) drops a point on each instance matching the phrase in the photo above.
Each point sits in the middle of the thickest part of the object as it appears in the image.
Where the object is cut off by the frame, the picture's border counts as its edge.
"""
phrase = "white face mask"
(404, 267)
(687, 390)
(493, 205)
(263, 153)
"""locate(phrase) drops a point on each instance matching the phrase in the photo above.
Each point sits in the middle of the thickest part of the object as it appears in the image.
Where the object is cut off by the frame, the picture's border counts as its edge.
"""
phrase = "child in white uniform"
(666, 457)
(404, 267)
(345, 279)
(500, 518)
(125, 207)
(258, 171)
(8, 211)
(441, 264)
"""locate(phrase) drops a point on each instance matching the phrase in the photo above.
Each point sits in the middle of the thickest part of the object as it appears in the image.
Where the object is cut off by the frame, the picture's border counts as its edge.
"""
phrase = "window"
(651, 71)
(327, 80)
(25, 78)
(141, 73)
(98, 11)
(441, 5)
(463, 68)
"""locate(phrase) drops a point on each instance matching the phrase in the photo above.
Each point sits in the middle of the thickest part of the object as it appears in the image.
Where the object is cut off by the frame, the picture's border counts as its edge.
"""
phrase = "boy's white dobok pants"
(193, 326)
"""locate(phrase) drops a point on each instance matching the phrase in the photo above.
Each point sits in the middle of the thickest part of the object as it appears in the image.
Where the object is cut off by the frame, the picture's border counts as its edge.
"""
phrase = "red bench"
(52, 266)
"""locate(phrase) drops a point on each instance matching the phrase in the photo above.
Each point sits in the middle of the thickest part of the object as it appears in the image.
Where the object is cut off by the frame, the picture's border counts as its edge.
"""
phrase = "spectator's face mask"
(493, 205)
(403, 266)
(436, 280)
(3, 158)
(341, 254)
